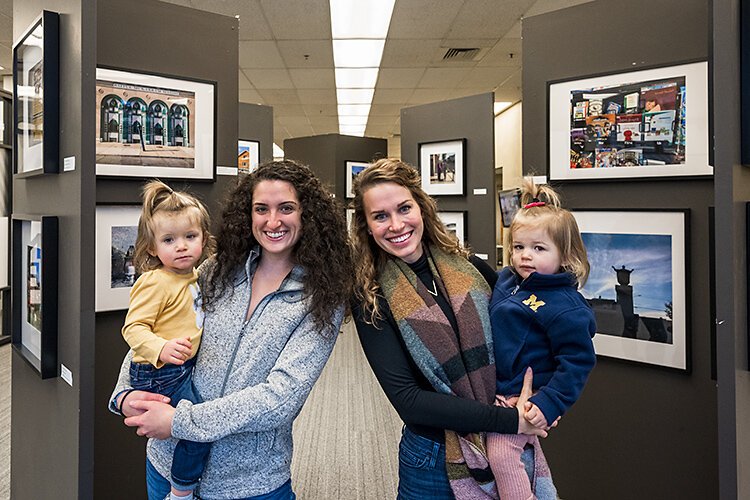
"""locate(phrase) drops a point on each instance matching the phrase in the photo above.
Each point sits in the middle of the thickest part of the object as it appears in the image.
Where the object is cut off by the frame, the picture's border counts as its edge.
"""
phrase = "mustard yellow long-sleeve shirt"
(163, 306)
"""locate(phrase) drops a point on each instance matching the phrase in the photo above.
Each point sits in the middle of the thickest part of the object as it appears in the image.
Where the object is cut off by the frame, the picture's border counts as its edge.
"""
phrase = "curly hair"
(546, 212)
(369, 258)
(159, 198)
(322, 248)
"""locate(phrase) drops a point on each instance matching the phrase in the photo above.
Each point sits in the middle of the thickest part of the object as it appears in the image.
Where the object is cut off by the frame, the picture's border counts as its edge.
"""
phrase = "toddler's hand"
(176, 351)
(536, 418)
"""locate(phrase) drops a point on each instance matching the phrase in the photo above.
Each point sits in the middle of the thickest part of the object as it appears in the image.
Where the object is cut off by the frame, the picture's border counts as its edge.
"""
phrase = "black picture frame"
(648, 241)
(35, 339)
(453, 151)
(36, 153)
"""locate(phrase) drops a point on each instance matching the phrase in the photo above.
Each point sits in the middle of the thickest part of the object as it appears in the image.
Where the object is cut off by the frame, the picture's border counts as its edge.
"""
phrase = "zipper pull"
(515, 289)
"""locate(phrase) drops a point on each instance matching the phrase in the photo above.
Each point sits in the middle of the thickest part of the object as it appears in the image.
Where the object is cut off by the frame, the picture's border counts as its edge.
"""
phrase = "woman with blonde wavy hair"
(421, 311)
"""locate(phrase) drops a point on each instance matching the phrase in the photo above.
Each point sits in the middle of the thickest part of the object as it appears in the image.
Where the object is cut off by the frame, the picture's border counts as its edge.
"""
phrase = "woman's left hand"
(154, 422)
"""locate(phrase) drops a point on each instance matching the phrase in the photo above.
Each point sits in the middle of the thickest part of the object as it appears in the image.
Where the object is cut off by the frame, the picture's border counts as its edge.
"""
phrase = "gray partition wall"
(209, 53)
(256, 124)
(52, 439)
(638, 431)
(327, 156)
(469, 118)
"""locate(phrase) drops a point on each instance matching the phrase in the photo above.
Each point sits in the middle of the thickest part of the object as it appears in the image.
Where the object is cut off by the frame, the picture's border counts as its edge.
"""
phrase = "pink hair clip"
(534, 204)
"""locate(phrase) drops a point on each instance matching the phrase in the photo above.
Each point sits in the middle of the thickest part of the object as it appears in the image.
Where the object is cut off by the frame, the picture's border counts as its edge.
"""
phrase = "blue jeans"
(175, 382)
(421, 468)
(158, 487)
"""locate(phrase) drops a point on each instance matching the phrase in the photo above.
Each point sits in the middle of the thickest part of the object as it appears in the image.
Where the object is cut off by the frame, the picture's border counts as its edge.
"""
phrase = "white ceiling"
(286, 57)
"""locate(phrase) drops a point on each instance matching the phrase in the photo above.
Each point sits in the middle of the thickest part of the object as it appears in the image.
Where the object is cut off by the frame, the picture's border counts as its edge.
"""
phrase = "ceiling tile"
(253, 25)
(381, 120)
(385, 109)
(417, 19)
(260, 54)
(424, 96)
(300, 130)
(274, 96)
(544, 6)
(313, 78)
(486, 18)
(317, 96)
(377, 131)
(243, 82)
(269, 78)
(298, 20)
(251, 96)
(411, 53)
(319, 53)
(515, 30)
(443, 78)
(511, 89)
(320, 110)
(288, 121)
(500, 54)
(391, 96)
(289, 110)
(488, 78)
(325, 128)
(399, 78)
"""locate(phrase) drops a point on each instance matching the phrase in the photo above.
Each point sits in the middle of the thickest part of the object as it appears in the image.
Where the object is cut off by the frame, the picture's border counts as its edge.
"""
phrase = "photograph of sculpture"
(637, 284)
(116, 232)
(455, 224)
(152, 126)
(649, 123)
(441, 166)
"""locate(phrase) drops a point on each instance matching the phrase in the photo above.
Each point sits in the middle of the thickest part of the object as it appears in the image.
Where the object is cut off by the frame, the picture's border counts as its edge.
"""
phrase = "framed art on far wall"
(34, 291)
(353, 168)
(36, 98)
(638, 286)
(636, 124)
(154, 126)
(116, 232)
(455, 223)
(442, 165)
(248, 156)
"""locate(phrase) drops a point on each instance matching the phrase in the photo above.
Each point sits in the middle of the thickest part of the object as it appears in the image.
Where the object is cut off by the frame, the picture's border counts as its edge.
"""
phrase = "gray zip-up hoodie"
(254, 377)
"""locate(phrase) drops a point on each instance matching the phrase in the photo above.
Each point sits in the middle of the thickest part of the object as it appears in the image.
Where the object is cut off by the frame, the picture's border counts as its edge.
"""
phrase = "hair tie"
(536, 203)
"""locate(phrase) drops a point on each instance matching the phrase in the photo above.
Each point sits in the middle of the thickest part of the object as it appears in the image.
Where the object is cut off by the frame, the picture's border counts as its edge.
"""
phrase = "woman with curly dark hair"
(274, 297)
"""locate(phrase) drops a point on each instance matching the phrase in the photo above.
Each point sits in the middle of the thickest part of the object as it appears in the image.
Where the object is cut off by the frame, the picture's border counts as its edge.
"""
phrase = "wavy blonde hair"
(160, 198)
(369, 258)
(559, 224)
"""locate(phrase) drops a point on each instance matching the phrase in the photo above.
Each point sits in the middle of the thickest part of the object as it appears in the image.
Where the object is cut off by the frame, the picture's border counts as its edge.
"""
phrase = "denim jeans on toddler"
(175, 382)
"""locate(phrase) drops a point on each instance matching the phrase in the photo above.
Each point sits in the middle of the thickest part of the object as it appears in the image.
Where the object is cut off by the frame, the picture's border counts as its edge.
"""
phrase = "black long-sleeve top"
(424, 411)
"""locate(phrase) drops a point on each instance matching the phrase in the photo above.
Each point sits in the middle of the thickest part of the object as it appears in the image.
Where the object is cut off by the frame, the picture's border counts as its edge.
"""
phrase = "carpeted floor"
(5, 422)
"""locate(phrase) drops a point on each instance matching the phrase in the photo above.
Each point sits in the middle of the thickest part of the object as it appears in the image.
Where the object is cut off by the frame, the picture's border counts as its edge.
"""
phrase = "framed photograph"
(441, 165)
(638, 286)
(116, 232)
(510, 203)
(353, 168)
(34, 291)
(36, 98)
(646, 123)
(154, 126)
(248, 156)
(455, 224)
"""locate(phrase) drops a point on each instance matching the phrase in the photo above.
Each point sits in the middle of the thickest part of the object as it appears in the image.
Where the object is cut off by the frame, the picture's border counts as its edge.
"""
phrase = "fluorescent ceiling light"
(352, 120)
(358, 130)
(354, 96)
(356, 78)
(357, 53)
(360, 18)
(501, 106)
(278, 153)
(354, 109)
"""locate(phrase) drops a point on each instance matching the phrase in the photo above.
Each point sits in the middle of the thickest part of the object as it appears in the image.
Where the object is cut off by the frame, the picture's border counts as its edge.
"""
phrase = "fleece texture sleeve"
(418, 406)
(270, 404)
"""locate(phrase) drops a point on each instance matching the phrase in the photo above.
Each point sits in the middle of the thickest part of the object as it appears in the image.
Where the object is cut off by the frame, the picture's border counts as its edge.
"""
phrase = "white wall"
(507, 157)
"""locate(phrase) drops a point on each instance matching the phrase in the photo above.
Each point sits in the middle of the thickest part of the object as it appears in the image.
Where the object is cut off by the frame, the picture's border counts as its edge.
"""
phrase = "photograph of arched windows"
(153, 126)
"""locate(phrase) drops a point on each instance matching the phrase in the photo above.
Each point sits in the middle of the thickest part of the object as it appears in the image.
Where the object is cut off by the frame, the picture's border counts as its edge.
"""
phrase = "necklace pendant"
(434, 289)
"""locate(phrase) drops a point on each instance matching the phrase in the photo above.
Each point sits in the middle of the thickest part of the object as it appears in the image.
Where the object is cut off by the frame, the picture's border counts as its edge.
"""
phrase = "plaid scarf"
(459, 363)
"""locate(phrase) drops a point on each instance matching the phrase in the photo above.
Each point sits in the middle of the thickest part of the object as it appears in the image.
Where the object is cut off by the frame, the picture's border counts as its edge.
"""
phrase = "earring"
(369, 231)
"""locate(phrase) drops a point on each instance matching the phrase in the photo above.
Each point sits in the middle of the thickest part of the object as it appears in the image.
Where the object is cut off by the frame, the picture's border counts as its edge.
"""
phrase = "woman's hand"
(133, 396)
(154, 420)
(523, 405)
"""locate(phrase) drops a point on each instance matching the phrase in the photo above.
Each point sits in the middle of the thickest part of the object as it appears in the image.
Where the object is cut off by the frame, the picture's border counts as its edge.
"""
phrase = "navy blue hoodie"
(542, 322)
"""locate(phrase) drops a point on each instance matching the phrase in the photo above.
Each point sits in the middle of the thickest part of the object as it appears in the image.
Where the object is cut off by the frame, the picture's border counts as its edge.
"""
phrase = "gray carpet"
(5, 422)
